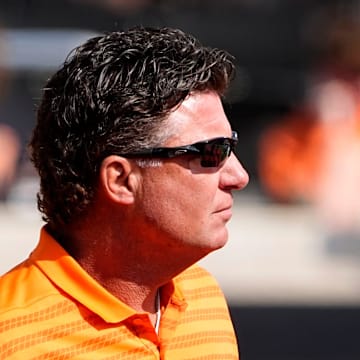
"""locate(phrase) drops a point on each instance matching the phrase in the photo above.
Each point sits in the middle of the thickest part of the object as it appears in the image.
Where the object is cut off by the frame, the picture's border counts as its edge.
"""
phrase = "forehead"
(200, 116)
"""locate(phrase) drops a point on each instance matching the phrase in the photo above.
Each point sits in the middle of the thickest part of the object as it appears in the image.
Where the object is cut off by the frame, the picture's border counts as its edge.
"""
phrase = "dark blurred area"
(294, 59)
(297, 332)
(271, 41)
(276, 44)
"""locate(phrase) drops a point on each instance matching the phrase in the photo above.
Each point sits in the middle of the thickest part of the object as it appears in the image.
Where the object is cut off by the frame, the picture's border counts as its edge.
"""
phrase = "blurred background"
(291, 269)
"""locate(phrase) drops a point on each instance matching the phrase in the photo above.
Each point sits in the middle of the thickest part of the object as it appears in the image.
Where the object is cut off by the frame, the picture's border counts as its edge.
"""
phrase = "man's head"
(114, 94)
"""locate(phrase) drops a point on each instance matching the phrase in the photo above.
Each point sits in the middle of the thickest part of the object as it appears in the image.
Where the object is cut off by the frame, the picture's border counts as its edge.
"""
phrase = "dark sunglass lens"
(214, 154)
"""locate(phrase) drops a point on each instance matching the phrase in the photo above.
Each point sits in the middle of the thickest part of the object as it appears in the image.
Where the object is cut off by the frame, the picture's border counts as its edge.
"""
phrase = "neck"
(117, 264)
(124, 263)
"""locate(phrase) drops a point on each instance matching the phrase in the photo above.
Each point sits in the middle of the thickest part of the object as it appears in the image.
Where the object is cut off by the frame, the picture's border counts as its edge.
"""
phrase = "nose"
(233, 175)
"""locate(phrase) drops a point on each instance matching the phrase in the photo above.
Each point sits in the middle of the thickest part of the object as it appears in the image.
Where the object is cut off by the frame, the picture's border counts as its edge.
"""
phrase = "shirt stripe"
(50, 308)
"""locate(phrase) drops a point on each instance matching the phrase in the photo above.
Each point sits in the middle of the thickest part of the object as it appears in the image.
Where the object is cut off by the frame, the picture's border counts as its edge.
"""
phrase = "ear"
(118, 179)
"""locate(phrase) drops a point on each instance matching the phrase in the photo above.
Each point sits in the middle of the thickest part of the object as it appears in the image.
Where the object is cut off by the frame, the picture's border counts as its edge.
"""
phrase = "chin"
(218, 242)
(221, 244)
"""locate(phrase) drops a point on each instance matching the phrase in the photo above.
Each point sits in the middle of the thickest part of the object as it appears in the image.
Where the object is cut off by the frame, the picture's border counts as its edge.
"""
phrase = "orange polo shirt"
(50, 308)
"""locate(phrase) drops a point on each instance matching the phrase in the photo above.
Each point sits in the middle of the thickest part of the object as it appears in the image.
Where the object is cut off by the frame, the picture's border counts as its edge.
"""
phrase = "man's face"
(182, 206)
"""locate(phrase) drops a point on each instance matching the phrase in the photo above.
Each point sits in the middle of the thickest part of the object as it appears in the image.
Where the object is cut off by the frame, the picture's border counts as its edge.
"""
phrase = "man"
(10, 149)
(129, 206)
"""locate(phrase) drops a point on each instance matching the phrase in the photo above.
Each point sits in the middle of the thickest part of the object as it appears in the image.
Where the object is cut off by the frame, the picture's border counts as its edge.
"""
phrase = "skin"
(156, 221)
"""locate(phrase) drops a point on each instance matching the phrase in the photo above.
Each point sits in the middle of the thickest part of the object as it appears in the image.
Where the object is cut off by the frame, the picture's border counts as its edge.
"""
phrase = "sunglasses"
(212, 152)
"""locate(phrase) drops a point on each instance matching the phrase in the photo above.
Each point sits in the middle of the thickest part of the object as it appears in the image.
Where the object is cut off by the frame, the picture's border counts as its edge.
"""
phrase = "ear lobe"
(116, 179)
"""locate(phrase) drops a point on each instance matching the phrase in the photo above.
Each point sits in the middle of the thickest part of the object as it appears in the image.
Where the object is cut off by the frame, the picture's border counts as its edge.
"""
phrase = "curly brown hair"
(112, 95)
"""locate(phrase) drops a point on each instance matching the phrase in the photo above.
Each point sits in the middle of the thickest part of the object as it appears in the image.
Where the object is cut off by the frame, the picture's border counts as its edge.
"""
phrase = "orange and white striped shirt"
(50, 308)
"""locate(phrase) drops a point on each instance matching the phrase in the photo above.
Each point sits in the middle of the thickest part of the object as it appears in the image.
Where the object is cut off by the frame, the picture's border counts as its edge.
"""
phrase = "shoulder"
(199, 284)
(10, 284)
(196, 273)
(206, 312)
(22, 287)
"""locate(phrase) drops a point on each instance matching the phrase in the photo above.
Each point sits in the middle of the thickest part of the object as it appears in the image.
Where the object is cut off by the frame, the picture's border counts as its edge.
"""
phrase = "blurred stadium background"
(291, 269)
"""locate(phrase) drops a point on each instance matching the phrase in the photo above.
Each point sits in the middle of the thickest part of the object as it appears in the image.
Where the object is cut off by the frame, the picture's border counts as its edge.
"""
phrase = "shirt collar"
(63, 270)
(71, 278)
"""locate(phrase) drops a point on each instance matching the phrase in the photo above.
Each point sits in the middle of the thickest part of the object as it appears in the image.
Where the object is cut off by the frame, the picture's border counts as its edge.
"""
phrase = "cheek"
(171, 199)
(179, 201)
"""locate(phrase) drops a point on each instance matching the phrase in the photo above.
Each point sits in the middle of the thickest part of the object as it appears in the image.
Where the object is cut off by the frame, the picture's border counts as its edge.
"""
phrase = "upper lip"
(225, 207)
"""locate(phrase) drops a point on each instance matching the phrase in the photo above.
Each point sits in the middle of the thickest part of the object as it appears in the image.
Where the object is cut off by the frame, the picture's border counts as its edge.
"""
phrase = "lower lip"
(226, 213)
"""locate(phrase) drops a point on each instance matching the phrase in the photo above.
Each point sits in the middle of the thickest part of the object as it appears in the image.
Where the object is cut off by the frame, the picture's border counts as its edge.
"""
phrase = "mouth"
(227, 210)
(225, 213)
